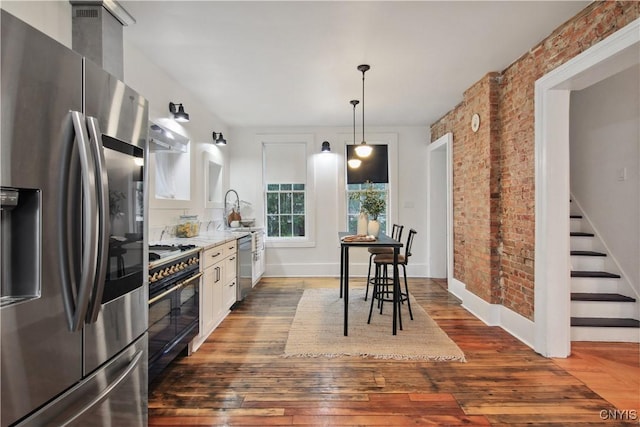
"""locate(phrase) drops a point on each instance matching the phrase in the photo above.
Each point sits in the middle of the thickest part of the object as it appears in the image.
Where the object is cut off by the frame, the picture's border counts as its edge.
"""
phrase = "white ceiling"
(294, 63)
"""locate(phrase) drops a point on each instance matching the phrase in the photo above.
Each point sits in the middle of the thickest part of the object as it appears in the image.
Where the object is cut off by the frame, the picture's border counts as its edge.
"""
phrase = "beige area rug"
(317, 330)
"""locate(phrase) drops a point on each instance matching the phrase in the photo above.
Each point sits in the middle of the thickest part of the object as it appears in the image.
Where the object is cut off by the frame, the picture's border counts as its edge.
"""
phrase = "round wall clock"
(475, 122)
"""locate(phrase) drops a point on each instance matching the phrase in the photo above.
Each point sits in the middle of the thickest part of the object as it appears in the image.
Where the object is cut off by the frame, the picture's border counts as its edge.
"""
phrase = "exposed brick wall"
(494, 169)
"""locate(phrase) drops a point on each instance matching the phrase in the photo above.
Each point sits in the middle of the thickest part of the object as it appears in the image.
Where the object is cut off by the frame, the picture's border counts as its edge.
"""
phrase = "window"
(374, 172)
(353, 206)
(286, 210)
(288, 190)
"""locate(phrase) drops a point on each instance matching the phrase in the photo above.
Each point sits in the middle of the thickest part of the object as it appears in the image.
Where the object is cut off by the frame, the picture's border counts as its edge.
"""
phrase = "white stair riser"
(624, 310)
(587, 263)
(594, 285)
(575, 224)
(586, 333)
(579, 243)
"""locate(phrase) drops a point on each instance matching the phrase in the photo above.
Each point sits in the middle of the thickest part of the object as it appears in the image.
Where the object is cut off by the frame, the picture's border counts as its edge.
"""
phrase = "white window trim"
(391, 139)
(307, 241)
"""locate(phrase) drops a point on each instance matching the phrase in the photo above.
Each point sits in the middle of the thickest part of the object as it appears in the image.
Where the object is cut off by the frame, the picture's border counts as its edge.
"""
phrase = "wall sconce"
(179, 114)
(218, 138)
(326, 147)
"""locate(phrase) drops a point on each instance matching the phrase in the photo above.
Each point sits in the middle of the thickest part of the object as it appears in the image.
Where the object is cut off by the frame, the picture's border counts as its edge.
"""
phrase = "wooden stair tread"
(581, 234)
(598, 274)
(587, 253)
(605, 322)
(582, 296)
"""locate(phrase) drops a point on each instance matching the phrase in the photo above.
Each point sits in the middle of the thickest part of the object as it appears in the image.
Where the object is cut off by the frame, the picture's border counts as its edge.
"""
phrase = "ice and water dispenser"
(20, 237)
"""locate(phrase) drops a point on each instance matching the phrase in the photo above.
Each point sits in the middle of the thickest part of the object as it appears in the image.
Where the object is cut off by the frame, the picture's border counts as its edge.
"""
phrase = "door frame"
(444, 145)
(552, 225)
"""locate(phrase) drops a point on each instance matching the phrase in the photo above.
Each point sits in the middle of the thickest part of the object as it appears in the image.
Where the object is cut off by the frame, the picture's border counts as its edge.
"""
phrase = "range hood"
(97, 32)
(165, 140)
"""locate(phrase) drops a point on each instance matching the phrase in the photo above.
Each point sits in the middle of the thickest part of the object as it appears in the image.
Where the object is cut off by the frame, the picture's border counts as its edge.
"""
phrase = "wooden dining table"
(382, 241)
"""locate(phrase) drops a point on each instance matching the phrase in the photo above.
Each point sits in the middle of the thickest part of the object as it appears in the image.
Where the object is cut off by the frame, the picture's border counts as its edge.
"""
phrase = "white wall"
(160, 89)
(51, 17)
(323, 259)
(605, 139)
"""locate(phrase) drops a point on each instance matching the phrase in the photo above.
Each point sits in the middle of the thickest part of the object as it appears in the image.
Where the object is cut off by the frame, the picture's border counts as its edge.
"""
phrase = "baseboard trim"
(494, 314)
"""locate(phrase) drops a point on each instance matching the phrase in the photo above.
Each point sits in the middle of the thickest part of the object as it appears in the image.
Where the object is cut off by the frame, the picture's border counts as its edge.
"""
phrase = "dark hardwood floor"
(238, 376)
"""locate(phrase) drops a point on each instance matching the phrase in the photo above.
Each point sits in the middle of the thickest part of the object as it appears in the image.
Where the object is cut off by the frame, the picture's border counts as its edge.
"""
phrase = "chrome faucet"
(237, 204)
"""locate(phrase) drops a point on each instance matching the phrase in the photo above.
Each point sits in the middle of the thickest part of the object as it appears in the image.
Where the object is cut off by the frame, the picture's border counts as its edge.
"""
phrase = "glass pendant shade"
(354, 163)
(363, 150)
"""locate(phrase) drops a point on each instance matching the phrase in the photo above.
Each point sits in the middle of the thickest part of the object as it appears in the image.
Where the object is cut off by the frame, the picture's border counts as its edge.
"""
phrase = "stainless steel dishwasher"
(245, 266)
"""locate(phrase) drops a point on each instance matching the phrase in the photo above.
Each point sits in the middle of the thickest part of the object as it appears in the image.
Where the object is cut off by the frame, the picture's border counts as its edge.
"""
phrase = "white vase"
(373, 228)
(363, 219)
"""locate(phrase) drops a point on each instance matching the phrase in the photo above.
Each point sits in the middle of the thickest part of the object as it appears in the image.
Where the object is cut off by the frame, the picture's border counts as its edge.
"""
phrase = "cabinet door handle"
(216, 254)
(232, 259)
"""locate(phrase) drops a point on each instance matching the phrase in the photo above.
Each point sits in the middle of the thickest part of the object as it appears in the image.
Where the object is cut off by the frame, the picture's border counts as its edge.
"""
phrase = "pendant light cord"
(363, 140)
(364, 68)
(354, 102)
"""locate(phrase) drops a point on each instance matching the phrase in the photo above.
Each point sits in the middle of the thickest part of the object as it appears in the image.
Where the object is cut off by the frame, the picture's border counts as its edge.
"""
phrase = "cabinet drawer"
(213, 255)
(230, 248)
(230, 267)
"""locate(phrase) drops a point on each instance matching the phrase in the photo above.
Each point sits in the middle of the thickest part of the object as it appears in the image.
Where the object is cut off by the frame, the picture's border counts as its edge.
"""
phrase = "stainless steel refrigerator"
(74, 298)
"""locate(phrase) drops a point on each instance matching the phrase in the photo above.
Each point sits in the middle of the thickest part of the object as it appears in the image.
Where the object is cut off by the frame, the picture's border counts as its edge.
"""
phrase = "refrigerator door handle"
(105, 393)
(102, 193)
(77, 310)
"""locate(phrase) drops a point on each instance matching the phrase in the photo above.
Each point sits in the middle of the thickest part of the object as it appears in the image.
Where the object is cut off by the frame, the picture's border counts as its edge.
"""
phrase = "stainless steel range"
(174, 273)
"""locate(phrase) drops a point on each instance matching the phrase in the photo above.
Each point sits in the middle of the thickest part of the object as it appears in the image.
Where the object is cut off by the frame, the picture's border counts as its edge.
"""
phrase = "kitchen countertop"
(205, 240)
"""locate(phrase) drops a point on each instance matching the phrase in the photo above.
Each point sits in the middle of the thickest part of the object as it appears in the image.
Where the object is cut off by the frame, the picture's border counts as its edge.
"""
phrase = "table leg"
(341, 268)
(346, 289)
(396, 285)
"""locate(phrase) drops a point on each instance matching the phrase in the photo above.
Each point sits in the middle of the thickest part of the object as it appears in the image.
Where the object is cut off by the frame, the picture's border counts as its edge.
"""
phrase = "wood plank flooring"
(238, 376)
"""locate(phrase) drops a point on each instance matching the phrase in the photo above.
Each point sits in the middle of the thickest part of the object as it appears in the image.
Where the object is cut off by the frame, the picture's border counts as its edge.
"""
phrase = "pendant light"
(353, 162)
(363, 150)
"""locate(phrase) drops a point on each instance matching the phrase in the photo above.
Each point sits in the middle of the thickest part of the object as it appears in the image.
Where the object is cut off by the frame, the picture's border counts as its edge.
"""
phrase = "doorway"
(552, 260)
(440, 208)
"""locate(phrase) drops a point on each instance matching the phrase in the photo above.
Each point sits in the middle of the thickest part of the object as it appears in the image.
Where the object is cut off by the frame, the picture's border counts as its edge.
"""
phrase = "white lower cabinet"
(217, 288)
(231, 277)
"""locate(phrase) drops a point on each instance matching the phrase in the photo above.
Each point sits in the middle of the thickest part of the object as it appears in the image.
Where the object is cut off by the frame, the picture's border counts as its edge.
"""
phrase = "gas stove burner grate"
(171, 247)
(157, 252)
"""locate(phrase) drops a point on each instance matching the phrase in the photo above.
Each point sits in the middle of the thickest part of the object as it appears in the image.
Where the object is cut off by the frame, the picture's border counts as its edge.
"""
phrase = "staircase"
(598, 311)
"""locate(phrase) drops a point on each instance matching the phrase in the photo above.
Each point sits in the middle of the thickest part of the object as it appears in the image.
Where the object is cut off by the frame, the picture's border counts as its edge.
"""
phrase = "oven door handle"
(175, 288)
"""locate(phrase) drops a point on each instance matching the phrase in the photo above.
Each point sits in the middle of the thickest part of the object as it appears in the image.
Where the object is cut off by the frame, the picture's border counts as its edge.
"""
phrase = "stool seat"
(388, 259)
(375, 251)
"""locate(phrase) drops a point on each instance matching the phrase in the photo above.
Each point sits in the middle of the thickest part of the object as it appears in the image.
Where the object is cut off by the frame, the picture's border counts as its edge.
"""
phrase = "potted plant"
(373, 203)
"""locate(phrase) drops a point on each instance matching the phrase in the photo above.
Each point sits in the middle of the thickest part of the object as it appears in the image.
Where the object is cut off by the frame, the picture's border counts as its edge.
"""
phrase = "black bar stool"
(383, 284)
(396, 234)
